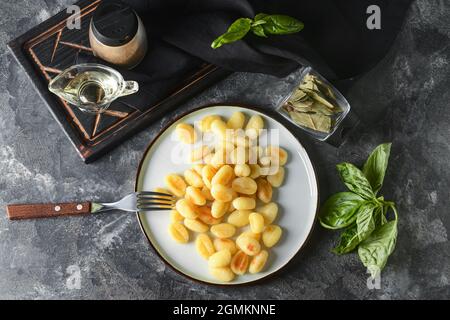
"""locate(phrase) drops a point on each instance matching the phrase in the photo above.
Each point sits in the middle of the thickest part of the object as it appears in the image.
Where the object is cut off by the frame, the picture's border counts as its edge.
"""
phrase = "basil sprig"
(362, 213)
(261, 26)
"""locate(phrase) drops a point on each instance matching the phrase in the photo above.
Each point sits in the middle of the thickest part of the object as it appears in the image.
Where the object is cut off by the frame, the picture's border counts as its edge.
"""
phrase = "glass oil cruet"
(91, 87)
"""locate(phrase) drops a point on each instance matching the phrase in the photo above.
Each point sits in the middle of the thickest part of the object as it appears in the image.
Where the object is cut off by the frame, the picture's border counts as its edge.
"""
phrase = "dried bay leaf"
(309, 86)
(320, 98)
(302, 106)
(321, 122)
(315, 121)
(320, 108)
(325, 89)
(302, 119)
(297, 95)
(308, 83)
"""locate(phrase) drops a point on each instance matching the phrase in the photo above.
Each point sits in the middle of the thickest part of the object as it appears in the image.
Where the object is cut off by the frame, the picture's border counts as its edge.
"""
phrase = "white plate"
(297, 199)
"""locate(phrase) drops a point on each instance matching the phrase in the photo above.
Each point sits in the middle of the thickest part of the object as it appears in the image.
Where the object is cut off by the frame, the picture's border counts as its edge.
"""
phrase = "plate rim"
(167, 263)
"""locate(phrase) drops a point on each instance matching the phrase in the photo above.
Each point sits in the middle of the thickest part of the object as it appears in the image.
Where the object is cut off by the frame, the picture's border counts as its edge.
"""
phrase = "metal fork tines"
(138, 201)
(152, 200)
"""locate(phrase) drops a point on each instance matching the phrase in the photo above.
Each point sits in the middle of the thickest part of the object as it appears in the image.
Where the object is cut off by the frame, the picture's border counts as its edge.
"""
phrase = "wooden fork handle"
(48, 210)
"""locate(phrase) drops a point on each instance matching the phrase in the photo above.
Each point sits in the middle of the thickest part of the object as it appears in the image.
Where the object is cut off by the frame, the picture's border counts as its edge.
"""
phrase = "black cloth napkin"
(335, 40)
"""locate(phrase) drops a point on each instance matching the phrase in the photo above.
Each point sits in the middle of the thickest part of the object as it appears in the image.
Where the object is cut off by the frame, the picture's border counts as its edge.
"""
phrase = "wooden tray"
(51, 47)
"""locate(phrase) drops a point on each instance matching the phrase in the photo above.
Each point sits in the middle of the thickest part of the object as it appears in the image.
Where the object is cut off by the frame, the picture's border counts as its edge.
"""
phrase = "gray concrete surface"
(405, 98)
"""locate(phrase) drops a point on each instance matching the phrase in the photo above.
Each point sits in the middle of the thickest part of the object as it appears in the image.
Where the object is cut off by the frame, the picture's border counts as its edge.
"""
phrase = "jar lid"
(114, 23)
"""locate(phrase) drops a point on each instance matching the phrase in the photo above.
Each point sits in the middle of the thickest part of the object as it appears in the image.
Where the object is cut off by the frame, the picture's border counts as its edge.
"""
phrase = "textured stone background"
(406, 99)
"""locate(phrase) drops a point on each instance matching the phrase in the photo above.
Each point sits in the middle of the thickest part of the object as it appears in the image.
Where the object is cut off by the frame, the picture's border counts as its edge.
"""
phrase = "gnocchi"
(248, 245)
(193, 178)
(195, 196)
(223, 230)
(278, 155)
(204, 245)
(176, 184)
(219, 259)
(244, 203)
(255, 171)
(239, 218)
(236, 120)
(276, 179)
(208, 173)
(219, 128)
(223, 175)
(205, 124)
(264, 190)
(186, 209)
(256, 221)
(254, 126)
(242, 170)
(219, 208)
(186, 133)
(222, 193)
(244, 185)
(195, 225)
(258, 262)
(224, 274)
(221, 244)
(178, 232)
(239, 263)
(271, 235)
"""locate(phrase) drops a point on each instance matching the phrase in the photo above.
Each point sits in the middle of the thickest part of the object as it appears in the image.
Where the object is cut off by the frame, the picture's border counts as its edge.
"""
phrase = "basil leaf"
(364, 220)
(375, 250)
(355, 180)
(349, 240)
(375, 167)
(358, 232)
(236, 31)
(260, 16)
(259, 31)
(281, 24)
(379, 216)
(339, 210)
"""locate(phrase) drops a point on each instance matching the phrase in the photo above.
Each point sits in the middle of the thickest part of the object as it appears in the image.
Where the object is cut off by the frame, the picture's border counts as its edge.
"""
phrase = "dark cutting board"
(51, 47)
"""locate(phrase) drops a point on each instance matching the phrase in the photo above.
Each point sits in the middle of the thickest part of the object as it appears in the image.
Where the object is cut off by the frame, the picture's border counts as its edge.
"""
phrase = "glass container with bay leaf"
(315, 105)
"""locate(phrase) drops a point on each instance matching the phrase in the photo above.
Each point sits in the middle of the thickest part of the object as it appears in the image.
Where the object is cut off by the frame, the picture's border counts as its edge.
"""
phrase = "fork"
(134, 202)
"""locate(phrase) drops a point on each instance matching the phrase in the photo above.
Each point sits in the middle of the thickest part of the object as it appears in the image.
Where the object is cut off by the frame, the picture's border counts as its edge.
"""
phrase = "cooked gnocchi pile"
(225, 198)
